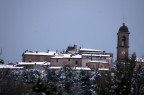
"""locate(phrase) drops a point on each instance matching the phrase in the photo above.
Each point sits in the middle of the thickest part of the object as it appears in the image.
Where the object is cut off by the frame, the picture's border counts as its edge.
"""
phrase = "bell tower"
(122, 43)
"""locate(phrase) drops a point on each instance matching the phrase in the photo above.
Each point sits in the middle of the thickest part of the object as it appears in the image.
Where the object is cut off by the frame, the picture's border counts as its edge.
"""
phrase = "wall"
(36, 58)
(62, 61)
(96, 65)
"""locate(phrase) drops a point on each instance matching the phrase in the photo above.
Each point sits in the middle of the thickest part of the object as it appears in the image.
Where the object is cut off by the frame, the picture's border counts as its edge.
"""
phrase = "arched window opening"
(123, 41)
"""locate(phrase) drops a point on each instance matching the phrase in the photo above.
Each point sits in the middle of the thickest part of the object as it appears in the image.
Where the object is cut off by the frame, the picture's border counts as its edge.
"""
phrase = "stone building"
(93, 57)
(29, 56)
(99, 65)
(73, 60)
(139, 63)
(71, 49)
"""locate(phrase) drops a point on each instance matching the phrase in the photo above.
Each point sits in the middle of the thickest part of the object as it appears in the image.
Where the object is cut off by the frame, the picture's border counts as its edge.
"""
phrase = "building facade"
(29, 56)
(96, 65)
(95, 55)
(139, 63)
(67, 59)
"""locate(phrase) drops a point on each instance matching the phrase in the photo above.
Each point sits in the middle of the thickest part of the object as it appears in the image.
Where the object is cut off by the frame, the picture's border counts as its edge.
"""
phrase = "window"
(76, 62)
(69, 59)
(30, 60)
(100, 66)
(123, 41)
(93, 66)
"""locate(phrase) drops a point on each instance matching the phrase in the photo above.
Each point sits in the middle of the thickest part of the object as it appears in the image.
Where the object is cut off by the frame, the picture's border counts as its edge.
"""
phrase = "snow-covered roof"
(139, 59)
(100, 55)
(40, 53)
(103, 69)
(9, 66)
(74, 68)
(81, 68)
(97, 61)
(55, 67)
(67, 56)
(86, 49)
(33, 63)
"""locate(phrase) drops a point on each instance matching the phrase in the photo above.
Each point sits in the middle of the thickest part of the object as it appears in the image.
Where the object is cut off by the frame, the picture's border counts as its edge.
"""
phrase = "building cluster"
(84, 58)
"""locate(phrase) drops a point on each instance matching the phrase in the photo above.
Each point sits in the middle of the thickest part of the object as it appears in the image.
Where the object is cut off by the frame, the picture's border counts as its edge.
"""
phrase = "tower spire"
(123, 21)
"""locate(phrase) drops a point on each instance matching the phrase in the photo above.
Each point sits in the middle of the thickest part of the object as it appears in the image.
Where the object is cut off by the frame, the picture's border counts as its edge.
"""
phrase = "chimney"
(103, 52)
(36, 51)
(75, 47)
(48, 50)
(63, 51)
(26, 50)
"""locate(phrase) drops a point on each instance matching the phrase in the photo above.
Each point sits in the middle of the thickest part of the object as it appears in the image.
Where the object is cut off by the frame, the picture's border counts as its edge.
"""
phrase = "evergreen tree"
(124, 75)
(30, 76)
(51, 76)
(138, 82)
(103, 82)
(41, 88)
(11, 83)
(85, 83)
(66, 78)
(119, 81)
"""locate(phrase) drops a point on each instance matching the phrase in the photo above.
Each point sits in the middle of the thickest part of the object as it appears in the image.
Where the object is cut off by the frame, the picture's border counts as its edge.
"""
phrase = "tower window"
(123, 41)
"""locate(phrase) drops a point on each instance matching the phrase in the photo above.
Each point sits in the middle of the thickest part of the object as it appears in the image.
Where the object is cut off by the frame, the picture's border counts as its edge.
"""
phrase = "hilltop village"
(82, 57)
(77, 57)
(75, 71)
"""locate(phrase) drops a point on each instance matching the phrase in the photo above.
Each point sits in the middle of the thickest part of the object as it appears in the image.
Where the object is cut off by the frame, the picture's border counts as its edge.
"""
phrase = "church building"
(123, 43)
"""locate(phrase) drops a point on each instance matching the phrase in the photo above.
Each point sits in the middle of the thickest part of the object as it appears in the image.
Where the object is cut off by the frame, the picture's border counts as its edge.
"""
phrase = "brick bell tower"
(123, 43)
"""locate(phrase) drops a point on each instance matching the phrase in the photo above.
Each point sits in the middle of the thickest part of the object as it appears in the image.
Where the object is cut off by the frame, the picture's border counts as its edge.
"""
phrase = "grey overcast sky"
(55, 24)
